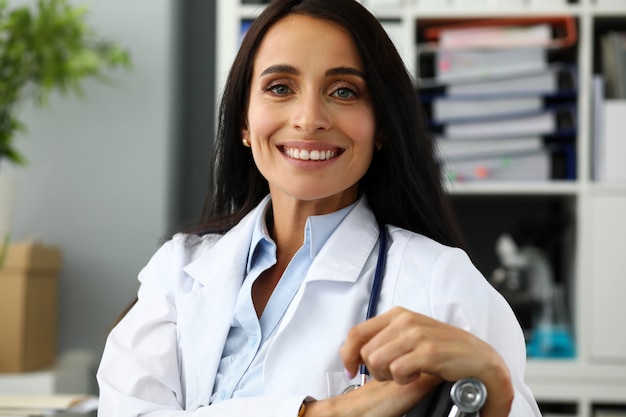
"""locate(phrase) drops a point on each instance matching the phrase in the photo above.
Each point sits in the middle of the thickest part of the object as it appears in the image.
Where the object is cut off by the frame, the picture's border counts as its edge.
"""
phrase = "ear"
(378, 140)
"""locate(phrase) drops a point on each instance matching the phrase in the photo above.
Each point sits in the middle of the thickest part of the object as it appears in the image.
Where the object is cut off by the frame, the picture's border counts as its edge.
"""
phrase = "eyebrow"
(288, 69)
(345, 71)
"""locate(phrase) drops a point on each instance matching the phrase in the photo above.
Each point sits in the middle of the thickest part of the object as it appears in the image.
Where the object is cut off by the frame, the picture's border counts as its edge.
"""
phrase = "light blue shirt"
(240, 372)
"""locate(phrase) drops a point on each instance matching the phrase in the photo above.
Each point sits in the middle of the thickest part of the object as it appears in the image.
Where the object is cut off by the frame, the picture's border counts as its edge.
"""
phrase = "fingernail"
(349, 374)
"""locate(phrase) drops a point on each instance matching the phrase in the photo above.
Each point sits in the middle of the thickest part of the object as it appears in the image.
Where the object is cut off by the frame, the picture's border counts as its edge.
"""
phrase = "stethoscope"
(374, 296)
(468, 395)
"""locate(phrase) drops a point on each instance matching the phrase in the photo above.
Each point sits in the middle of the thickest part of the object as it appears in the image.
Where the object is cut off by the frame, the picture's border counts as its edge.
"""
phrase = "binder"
(611, 159)
(613, 48)
(460, 64)
(451, 108)
(559, 121)
(444, 110)
(526, 166)
(563, 27)
(550, 163)
(557, 80)
(485, 148)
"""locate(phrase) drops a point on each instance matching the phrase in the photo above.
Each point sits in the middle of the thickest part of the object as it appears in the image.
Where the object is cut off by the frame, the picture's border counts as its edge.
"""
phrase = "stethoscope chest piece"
(351, 388)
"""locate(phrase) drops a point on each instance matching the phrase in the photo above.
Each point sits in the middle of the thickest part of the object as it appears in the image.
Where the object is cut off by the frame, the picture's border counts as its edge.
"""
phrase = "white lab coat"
(162, 358)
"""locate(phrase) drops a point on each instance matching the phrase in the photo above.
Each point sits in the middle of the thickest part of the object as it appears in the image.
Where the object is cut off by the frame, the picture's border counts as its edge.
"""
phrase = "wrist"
(500, 393)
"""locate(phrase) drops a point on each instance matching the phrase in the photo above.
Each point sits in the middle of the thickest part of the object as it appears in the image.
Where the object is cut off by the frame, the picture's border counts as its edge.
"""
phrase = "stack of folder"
(500, 96)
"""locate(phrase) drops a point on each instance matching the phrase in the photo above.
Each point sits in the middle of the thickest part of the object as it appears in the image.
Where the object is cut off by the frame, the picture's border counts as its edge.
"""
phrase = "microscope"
(526, 281)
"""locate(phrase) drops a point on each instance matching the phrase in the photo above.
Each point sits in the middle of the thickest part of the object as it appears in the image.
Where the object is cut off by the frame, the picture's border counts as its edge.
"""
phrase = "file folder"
(556, 122)
(564, 30)
(557, 80)
(444, 110)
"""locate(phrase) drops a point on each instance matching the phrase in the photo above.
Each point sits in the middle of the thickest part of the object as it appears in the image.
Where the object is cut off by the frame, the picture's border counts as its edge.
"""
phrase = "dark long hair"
(403, 183)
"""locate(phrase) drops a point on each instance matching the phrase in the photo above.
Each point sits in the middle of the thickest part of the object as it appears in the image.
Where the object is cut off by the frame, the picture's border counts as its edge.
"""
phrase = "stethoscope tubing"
(376, 288)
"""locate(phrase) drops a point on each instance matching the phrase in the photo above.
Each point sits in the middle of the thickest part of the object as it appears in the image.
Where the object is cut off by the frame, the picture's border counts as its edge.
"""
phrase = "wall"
(98, 172)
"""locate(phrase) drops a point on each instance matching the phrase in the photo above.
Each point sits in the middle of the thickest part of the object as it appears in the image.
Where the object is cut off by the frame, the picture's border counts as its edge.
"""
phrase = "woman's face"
(310, 120)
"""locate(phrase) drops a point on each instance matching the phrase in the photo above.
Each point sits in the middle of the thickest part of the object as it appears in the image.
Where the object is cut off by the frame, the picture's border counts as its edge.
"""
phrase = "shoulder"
(184, 248)
(440, 276)
(425, 252)
(166, 267)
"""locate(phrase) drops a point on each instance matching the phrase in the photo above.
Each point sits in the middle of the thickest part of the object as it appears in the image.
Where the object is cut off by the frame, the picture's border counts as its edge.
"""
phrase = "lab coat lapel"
(205, 313)
(333, 298)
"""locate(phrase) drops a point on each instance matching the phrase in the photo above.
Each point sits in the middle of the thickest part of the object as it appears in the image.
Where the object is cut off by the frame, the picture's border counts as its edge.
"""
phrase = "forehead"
(307, 39)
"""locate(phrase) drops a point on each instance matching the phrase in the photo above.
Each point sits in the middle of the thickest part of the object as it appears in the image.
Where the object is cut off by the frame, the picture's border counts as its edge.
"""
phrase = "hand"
(375, 399)
(402, 345)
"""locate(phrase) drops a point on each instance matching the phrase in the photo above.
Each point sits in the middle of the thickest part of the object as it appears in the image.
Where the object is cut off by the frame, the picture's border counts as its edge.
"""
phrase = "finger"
(384, 349)
(403, 335)
(357, 337)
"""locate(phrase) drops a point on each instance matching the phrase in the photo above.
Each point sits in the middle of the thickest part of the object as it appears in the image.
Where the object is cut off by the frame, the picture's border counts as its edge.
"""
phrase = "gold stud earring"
(246, 143)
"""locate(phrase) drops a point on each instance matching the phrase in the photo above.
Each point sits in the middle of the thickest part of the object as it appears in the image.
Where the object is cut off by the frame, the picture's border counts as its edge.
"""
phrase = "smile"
(310, 154)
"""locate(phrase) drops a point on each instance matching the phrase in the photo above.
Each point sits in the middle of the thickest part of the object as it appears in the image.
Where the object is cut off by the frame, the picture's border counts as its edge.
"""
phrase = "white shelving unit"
(596, 260)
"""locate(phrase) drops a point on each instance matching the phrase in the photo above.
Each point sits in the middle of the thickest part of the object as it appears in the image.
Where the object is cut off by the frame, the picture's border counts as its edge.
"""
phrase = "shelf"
(608, 11)
(574, 371)
(467, 12)
(608, 188)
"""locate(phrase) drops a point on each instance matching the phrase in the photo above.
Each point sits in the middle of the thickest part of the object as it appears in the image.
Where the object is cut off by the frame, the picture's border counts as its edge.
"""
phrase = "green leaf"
(46, 48)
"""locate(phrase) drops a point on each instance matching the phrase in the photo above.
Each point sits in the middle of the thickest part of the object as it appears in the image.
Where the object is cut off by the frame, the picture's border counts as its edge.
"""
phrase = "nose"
(311, 113)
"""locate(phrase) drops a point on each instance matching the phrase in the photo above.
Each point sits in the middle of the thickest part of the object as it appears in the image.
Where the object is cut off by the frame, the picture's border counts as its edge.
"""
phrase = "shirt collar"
(317, 230)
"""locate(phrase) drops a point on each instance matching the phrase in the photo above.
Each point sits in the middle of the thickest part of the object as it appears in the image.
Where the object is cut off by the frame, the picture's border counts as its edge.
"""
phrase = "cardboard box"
(28, 307)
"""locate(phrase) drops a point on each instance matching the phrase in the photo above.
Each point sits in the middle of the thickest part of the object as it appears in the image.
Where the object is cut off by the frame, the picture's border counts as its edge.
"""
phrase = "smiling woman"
(322, 167)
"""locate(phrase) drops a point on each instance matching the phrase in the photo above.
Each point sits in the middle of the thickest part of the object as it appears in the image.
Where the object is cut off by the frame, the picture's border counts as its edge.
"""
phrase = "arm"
(468, 330)
(404, 346)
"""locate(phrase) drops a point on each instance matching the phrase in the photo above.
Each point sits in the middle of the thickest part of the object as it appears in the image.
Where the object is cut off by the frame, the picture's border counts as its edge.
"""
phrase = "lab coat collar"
(226, 260)
(339, 260)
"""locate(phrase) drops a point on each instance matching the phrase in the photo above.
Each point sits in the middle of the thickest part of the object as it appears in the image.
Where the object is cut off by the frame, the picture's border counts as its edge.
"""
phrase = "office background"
(108, 176)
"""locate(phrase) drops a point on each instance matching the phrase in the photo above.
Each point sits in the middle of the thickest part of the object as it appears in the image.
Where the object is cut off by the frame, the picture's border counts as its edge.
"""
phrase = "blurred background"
(108, 175)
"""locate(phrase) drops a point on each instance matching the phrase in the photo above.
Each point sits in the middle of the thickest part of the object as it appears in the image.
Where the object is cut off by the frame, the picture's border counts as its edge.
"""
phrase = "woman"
(261, 310)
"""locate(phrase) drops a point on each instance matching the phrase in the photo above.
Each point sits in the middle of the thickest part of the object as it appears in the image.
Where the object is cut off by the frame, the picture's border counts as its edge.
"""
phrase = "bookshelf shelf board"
(608, 188)
(466, 12)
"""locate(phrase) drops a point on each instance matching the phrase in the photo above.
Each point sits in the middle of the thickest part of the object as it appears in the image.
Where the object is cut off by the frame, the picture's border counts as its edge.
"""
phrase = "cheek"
(363, 129)
(261, 120)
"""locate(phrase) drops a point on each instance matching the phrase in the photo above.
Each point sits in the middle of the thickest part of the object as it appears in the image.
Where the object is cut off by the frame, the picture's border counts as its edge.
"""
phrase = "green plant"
(45, 48)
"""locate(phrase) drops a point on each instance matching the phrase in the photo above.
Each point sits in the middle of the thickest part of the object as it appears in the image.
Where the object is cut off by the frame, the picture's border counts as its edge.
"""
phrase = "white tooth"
(313, 155)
